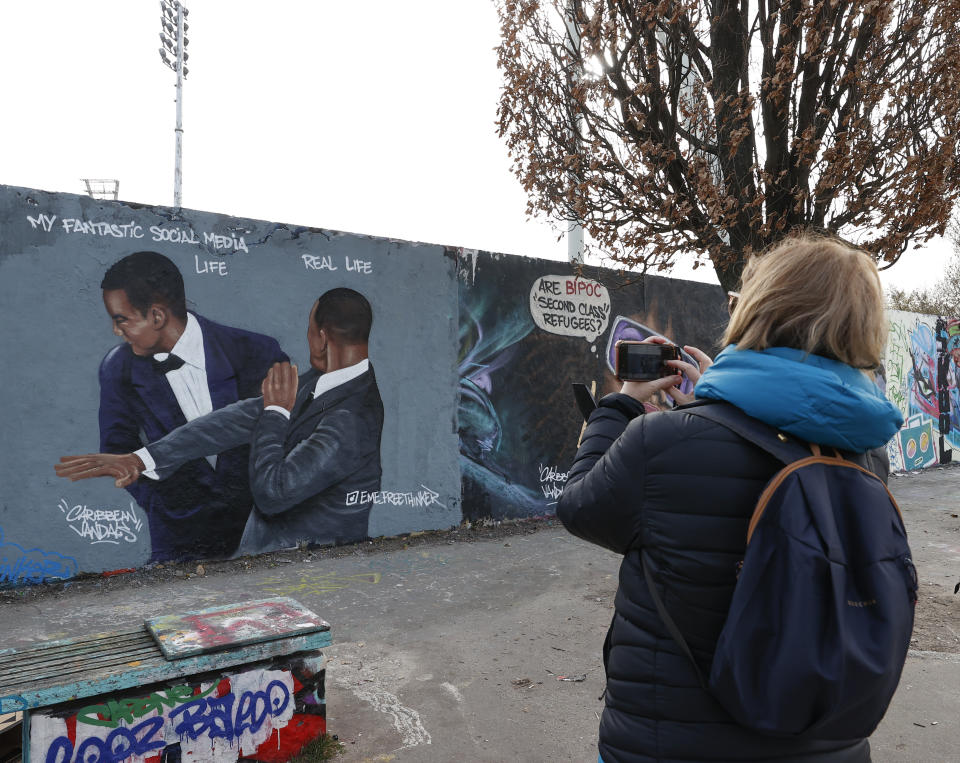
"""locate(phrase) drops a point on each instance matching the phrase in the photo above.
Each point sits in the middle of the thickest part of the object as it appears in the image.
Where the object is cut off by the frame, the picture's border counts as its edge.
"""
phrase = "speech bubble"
(570, 306)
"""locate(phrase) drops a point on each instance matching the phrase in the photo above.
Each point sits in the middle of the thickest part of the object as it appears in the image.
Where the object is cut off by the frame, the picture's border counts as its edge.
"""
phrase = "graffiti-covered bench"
(245, 680)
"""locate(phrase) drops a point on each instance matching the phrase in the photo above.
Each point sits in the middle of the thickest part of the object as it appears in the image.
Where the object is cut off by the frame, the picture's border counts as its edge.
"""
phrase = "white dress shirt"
(189, 383)
(329, 381)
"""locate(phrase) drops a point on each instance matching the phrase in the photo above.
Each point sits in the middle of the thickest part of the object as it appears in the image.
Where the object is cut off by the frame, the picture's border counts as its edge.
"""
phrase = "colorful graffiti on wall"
(193, 633)
(19, 565)
(528, 331)
(468, 417)
(261, 714)
(921, 368)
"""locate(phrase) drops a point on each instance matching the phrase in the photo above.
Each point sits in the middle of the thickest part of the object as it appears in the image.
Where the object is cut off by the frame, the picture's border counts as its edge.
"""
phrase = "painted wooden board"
(265, 711)
(58, 671)
(252, 622)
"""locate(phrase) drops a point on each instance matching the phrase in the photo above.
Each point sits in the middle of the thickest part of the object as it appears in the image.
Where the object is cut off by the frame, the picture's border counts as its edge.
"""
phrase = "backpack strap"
(780, 446)
(784, 448)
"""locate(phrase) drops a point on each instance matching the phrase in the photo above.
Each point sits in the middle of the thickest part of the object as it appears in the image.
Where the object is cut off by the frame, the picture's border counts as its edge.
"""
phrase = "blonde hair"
(813, 293)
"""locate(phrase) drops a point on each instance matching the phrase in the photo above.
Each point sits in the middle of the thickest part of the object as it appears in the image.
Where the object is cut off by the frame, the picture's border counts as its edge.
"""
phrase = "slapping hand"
(280, 386)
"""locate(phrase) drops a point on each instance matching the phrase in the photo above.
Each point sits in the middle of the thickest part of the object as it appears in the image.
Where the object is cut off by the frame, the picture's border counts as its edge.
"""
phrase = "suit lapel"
(304, 399)
(306, 422)
(154, 389)
(221, 378)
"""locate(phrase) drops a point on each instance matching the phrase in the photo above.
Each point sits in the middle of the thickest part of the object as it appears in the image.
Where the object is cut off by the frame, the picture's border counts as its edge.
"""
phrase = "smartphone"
(637, 361)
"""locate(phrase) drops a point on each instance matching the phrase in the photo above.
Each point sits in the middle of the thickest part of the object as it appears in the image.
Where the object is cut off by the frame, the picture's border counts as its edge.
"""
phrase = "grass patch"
(324, 748)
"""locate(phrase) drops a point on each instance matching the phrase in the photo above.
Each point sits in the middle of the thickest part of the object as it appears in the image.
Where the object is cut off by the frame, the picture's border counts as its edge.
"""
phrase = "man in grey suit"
(314, 441)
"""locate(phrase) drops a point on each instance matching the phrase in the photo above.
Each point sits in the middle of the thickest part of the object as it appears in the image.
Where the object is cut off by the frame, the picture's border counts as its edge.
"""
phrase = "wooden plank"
(44, 670)
(115, 674)
(72, 654)
(208, 630)
(102, 636)
(108, 642)
(80, 656)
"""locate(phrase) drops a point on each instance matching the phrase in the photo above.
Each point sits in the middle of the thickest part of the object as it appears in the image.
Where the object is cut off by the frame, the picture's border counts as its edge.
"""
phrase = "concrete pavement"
(455, 651)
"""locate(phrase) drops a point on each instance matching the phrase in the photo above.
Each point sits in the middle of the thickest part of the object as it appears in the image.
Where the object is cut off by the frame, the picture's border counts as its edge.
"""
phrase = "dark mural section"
(528, 330)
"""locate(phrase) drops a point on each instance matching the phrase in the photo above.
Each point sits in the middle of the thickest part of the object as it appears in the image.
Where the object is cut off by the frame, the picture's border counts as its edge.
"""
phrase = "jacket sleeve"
(208, 435)
(878, 462)
(605, 483)
(338, 446)
(258, 358)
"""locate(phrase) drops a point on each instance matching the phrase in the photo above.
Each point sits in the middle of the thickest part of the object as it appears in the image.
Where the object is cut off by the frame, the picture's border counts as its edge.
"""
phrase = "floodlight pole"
(574, 225)
(173, 39)
(178, 130)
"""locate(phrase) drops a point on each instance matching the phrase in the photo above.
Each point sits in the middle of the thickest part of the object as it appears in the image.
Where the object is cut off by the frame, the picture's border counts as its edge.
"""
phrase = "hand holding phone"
(643, 361)
(692, 371)
(655, 365)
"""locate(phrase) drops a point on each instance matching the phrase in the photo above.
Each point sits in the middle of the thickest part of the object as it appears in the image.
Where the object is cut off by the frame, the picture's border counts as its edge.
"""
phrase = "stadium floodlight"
(173, 36)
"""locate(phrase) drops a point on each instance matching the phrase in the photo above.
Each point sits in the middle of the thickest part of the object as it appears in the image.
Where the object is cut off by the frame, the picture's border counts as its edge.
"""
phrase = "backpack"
(822, 611)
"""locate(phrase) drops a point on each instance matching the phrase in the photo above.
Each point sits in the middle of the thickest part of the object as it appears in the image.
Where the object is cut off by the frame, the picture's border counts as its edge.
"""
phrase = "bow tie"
(172, 363)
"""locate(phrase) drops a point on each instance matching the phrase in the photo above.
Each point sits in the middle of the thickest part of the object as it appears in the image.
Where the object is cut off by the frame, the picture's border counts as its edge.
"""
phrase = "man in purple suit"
(176, 366)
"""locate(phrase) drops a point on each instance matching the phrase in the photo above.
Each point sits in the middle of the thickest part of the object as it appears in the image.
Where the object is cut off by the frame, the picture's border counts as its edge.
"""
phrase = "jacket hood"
(811, 397)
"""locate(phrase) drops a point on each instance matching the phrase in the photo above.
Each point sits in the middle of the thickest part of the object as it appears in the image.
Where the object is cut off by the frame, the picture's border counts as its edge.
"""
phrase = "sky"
(374, 117)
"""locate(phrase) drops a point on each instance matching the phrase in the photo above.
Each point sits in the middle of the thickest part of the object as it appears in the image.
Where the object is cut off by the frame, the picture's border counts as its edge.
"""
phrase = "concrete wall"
(248, 274)
(474, 354)
(921, 368)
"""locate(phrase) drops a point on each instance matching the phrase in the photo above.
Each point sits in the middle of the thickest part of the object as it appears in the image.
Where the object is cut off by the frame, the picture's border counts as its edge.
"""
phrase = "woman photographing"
(805, 332)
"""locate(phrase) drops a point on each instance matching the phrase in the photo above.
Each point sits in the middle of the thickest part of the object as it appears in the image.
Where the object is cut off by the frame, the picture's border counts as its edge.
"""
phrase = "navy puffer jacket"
(683, 488)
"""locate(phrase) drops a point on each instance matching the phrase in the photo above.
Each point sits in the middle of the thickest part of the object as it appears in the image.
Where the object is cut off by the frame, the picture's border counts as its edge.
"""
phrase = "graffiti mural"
(298, 457)
(248, 384)
(193, 633)
(265, 714)
(172, 367)
(19, 566)
(113, 526)
(921, 368)
(529, 329)
(432, 384)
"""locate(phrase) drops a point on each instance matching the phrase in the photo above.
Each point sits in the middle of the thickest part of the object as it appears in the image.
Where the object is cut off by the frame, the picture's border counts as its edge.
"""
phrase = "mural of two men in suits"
(173, 367)
(310, 444)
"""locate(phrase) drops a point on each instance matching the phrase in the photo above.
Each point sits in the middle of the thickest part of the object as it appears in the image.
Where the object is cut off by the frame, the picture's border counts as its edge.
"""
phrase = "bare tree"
(716, 127)
(926, 301)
